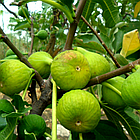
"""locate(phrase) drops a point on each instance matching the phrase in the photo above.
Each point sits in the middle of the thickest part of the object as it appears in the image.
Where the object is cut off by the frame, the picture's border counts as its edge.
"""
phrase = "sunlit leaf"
(131, 43)
(137, 9)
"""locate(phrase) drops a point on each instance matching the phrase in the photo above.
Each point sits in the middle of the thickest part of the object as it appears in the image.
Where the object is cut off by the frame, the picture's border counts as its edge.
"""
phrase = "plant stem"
(47, 135)
(80, 136)
(111, 87)
(54, 119)
(24, 93)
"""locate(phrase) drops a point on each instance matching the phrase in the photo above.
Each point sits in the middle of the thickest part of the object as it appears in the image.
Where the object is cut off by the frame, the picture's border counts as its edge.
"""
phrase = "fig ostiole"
(98, 64)
(70, 70)
(111, 92)
(131, 90)
(79, 111)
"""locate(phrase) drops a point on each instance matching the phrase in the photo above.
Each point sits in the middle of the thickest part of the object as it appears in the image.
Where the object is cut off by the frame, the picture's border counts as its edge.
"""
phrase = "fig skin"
(111, 92)
(41, 62)
(42, 34)
(131, 90)
(98, 64)
(70, 70)
(79, 111)
(14, 76)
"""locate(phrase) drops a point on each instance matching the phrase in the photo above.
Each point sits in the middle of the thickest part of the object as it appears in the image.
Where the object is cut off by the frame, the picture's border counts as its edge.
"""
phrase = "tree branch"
(8, 9)
(73, 26)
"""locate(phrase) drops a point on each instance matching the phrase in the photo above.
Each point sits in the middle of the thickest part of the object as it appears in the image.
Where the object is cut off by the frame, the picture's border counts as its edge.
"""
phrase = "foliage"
(108, 27)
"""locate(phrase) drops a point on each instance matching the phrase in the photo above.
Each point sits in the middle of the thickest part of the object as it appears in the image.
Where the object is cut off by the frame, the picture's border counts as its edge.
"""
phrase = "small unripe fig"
(20, 12)
(41, 62)
(32, 124)
(42, 34)
(14, 76)
(79, 111)
(131, 90)
(70, 70)
(98, 64)
(111, 92)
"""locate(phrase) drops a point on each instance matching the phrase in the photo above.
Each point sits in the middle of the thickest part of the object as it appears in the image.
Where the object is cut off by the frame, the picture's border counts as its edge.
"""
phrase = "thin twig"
(102, 42)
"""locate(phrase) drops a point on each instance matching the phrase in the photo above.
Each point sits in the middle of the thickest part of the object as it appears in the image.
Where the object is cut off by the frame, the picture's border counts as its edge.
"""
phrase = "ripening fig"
(98, 64)
(79, 111)
(14, 76)
(111, 92)
(41, 62)
(131, 90)
(70, 70)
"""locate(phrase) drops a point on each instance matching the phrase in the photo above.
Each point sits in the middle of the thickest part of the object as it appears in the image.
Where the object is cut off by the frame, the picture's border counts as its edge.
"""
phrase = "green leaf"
(20, 104)
(89, 6)
(110, 12)
(22, 25)
(3, 122)
(8, 132)
(91, 46)
(132, 126)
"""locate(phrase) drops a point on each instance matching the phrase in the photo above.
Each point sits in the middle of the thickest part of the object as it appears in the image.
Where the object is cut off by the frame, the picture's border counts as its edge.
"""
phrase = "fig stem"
(47, 135)
(24, 93)
(54, 119)
(111, 87)
(25, 15)
(80, 136)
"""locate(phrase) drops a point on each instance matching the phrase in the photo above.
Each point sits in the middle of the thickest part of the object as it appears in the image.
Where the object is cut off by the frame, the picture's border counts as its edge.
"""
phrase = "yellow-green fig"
(98, 64)
(131, 90)
(41, 62)
(79, 111)
(111, 92)
(21, 13)
(14, 76)
(70, 70)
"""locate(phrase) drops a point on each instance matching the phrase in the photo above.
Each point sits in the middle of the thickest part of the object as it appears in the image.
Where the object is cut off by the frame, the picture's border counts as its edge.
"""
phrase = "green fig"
(14, 76)
(131, 90)
(32, 124)
(70, 70)
(20, 12)
(42, 34)
(111, 92)
(79, 111)
(98, 64)
(41, 62)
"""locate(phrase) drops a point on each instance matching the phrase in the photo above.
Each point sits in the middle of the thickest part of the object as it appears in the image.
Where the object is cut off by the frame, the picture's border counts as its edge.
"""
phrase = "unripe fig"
(98, 64)
(14, 76)
(79, 111)
(111, 92)
(41, 62)
(42, 34)
(20, 12)
(131, 90)
(32, 124)
(70, 70)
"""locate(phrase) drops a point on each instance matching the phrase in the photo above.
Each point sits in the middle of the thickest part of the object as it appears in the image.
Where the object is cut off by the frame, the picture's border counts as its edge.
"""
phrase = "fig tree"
(79, 111)
(70, 70)
(111, 92)
(41, 61)
(14, 76)
(98, 64)
(131, 90)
